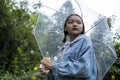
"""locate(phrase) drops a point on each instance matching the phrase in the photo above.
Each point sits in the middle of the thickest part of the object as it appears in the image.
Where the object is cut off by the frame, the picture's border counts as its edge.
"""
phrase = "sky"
(94, 7)
(107, 7)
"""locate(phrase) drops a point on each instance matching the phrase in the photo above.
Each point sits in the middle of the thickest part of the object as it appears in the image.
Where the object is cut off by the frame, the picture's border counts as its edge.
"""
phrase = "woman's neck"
(72, 37)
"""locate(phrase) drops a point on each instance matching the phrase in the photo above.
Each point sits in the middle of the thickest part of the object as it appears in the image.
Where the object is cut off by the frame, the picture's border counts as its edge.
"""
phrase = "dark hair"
(65, 32)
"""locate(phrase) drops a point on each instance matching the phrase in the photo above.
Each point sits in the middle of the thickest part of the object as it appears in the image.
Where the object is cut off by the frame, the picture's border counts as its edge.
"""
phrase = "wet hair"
(65, 32)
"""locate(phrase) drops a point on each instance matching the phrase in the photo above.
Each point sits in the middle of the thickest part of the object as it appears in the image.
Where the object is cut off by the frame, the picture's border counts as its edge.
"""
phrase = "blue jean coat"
(76, 61)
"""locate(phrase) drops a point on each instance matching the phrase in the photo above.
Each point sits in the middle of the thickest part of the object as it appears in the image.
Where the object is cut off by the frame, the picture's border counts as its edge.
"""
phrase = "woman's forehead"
(74, 17)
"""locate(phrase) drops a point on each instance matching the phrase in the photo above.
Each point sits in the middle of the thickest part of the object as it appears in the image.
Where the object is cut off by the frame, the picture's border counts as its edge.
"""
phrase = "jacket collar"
(68, 43)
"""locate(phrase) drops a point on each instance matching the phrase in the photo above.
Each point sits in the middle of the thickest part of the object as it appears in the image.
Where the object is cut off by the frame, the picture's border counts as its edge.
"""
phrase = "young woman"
(76, 59)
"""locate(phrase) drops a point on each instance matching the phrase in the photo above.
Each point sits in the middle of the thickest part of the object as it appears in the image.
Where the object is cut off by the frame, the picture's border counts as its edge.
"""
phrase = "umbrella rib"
(105, 44)
(96, 24)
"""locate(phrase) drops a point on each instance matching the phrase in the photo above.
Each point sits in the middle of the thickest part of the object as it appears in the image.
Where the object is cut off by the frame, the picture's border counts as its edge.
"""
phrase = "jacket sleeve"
(51, 76)
(81, 67)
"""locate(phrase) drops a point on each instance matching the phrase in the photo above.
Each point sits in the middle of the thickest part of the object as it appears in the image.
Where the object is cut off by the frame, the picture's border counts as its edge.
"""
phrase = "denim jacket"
(76, 61)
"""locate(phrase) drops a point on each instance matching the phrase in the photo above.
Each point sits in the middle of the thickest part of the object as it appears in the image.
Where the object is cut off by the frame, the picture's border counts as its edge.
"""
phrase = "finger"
(40, 70)
(45, 60)
(41, 66)
(46, 72)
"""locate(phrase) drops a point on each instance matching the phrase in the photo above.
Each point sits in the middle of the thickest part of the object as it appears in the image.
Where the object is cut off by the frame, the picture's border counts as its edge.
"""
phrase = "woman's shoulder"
(84, 40)
(83, 37)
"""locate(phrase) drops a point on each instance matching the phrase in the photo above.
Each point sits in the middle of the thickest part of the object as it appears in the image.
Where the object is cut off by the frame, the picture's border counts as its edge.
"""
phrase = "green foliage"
(111, 21)
(115, 69)
(30, 75)
(117, 35)
(18, 49)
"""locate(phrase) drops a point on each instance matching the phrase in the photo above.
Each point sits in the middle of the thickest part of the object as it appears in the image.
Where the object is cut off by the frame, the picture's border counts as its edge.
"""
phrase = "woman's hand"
(46, 62)
(43, 70)
(45, 65)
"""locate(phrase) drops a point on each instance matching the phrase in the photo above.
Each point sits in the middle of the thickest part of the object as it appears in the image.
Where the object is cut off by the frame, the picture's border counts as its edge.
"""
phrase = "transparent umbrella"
(103, 46)
(49, 32)
(49, 27)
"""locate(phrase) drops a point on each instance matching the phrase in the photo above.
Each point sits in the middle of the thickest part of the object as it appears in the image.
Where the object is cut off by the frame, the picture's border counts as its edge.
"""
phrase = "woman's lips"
(74, 29)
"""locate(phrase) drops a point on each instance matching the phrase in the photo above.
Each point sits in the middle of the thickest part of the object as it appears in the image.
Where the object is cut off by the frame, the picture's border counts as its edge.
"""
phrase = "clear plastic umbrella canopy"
(49, 31)
(103, 46)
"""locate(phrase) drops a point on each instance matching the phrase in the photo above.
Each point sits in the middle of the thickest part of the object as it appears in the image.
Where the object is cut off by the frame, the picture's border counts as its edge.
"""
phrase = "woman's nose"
(75, 24)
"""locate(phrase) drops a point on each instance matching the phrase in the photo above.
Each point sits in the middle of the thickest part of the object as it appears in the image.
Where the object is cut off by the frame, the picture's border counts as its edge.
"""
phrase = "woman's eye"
(79, 22)
(70, 21)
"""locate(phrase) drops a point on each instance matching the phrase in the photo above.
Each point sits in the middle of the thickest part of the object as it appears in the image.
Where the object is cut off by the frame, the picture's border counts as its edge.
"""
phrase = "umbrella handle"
(41, 66)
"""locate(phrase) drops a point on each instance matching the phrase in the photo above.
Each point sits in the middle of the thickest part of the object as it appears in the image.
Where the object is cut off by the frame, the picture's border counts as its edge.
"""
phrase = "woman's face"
(74, 26)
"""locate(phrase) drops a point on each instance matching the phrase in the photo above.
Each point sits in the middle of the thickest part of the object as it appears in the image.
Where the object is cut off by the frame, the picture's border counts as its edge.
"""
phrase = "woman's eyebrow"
(75, 20)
